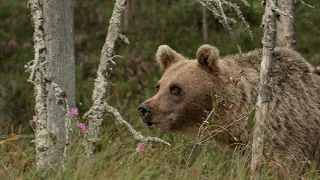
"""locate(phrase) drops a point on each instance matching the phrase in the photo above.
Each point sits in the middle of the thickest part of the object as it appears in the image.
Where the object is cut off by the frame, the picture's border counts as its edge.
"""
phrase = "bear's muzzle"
(144, 112)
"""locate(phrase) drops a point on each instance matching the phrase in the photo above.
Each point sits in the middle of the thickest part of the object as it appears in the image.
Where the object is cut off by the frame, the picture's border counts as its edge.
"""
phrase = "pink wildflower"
(32, 122)
(13, 43)
(74, 112)
(140, 147)
(82, 127)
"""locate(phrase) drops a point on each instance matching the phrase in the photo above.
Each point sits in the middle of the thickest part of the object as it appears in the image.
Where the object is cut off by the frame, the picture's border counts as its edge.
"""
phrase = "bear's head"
(184, 93)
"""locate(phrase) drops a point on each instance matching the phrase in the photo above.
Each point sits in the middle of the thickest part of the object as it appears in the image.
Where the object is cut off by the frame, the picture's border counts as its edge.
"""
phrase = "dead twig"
(136, 134)
(211, 134)
(14, 138)
(306, 4)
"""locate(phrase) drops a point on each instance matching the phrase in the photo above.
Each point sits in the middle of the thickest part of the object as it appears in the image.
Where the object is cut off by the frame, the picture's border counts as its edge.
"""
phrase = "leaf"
(251, 119)
(128, 94)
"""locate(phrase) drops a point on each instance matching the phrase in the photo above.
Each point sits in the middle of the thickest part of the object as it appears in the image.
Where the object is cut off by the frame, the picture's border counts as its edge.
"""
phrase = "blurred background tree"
(147, 24)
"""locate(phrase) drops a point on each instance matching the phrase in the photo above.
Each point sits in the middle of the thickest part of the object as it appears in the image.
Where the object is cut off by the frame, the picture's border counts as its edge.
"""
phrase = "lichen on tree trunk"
(58, 26)
(52, 69)
(38, 73)
(265, 93)
(101, 84)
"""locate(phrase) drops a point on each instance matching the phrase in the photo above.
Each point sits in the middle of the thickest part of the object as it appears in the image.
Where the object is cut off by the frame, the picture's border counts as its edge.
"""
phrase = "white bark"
(101, 85)
(136, 134)
(38, 74)
(265, 94)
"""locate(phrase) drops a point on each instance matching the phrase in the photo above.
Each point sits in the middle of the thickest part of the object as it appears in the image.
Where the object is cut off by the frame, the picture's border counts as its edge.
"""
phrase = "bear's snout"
(144, 111)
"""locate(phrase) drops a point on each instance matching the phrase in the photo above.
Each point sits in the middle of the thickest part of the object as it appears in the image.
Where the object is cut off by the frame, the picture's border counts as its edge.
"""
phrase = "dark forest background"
(147, 24)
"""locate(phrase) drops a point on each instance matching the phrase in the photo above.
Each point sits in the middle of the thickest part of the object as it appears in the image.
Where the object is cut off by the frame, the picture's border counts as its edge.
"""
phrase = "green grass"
(118, 159)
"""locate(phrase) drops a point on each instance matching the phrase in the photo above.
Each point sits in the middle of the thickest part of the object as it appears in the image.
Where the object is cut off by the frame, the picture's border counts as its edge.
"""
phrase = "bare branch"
(124, 39)
(226, 25)
(246, 3)
(14, 138)
(306, 4)
(245, 24)
(136, 134)
(216, 7)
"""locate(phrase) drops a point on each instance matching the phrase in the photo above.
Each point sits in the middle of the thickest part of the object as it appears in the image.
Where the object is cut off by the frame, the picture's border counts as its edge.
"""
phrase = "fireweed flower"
(82, 127)
(74, 112)
(32, 122)
(140, 147)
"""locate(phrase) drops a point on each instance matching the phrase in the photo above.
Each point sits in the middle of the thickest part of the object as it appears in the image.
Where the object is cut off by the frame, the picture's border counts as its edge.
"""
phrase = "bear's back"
(285, 61)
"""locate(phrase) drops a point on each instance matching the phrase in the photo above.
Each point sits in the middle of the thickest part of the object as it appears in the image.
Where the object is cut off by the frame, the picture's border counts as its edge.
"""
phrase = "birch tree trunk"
(285, 35)
(265, 93)
(58, 27)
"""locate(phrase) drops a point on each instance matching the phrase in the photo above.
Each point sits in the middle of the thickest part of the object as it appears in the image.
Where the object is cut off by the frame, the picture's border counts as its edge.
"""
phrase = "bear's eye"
(175, 90)
(157, 87)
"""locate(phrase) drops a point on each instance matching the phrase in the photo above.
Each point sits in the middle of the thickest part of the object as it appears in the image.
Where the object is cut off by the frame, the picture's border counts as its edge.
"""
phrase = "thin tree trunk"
(101, 85)
(265, 93)
(204, 24)
(37, 76)
(285, 35)
(58, 27)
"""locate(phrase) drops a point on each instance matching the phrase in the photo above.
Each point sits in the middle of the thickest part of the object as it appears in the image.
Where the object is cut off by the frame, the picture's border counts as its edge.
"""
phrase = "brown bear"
(228, 87)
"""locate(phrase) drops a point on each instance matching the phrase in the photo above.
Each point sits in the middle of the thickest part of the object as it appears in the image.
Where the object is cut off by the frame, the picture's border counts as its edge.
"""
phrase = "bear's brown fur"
(189, 89)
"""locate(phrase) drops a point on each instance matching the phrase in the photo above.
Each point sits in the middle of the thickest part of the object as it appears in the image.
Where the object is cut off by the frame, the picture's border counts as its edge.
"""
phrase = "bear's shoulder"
(284, 60)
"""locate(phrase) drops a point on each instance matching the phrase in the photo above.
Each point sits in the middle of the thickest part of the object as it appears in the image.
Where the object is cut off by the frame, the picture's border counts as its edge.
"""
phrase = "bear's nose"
(143, 110)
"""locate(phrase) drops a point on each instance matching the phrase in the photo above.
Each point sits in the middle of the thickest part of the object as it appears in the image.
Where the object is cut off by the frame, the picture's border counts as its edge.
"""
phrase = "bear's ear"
(167, 56)
(208, 57)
